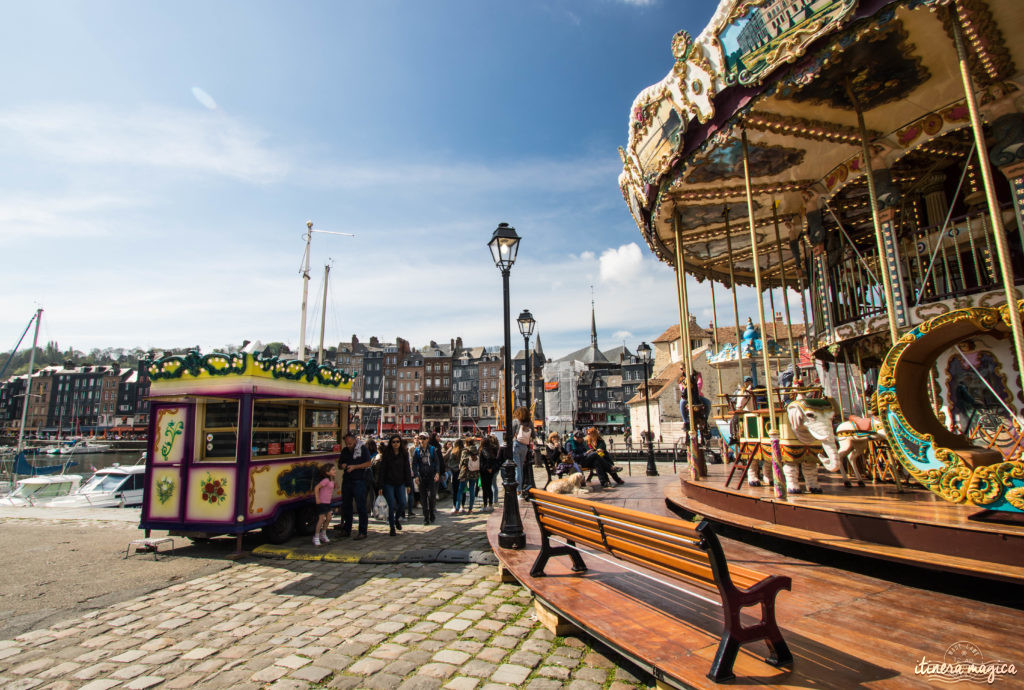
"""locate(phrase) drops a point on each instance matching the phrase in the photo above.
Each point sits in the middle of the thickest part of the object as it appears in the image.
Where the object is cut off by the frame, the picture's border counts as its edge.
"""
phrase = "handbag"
(380, 508)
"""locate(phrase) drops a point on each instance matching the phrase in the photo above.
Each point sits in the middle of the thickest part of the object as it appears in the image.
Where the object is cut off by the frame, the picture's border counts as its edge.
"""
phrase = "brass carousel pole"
(1005, 268)
(890, 302)
(697, 468)
(780, 482)
(785, 285)
(735, 301)
(714, 335)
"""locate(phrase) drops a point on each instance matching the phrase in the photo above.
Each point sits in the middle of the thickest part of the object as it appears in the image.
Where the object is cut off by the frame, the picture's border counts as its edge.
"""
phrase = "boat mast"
(305, 291)
(323, 315)
(28, 382)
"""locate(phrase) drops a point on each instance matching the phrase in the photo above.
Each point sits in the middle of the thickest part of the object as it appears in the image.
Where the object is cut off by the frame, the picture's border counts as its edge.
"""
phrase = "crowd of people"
(411, 476)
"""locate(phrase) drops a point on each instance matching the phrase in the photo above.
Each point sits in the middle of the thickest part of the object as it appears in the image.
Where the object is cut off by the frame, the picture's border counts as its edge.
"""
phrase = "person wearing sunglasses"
(395, 474)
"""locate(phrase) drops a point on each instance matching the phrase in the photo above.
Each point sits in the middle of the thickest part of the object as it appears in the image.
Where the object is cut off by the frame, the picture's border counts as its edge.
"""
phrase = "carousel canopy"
(792, 75)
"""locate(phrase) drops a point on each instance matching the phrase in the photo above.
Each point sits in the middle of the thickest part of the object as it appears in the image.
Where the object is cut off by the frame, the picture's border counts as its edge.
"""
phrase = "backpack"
(524, 435)
(474, 463)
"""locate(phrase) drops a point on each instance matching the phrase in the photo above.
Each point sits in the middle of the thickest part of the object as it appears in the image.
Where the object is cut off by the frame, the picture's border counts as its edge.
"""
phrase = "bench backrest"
(668, 546)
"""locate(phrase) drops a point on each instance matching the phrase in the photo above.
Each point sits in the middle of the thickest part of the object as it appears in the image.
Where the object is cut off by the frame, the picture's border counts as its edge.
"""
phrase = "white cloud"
(205, 99)
(147, 136)
(621, 265)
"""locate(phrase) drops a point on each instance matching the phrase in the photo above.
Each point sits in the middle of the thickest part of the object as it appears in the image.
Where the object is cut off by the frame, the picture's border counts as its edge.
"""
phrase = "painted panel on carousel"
(760, 35)
(946, 463)
(274, 483)
(164, 493)
(211, 495)
(169, 440)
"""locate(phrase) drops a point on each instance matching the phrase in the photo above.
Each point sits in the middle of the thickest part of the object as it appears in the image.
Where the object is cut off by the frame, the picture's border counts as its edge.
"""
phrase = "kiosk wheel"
(305, 520)
(282, 529)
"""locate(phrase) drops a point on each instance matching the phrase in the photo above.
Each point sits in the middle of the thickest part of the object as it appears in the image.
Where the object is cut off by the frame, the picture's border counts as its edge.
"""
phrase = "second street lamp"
(526, 324)
(504, 246)
(645, 357)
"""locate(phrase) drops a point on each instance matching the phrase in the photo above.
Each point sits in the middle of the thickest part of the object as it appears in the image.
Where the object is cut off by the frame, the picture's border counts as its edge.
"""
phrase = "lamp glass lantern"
(526, 323)
(504, 246)
(644, 350)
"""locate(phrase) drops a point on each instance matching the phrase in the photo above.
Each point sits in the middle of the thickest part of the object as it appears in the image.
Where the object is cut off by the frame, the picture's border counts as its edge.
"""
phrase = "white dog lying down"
(569, 484)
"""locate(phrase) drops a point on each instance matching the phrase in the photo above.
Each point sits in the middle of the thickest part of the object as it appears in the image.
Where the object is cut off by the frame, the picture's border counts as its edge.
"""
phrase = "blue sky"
(161, 160)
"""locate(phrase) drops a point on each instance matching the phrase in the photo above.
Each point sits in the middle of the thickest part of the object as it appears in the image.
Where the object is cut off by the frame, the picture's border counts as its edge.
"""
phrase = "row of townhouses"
(77, 399)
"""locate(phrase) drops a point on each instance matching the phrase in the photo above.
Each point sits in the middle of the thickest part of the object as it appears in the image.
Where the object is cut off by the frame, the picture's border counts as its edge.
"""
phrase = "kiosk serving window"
(275, 427)
(220, 430)
(322, 429)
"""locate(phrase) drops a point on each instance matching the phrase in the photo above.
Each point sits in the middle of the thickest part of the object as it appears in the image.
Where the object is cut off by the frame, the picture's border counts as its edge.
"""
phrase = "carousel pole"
(697, 468)
(785, 285)
(775, 329)
(780, 482)
(999, 234)
(894, 333)
(735, 301)
(714, 335)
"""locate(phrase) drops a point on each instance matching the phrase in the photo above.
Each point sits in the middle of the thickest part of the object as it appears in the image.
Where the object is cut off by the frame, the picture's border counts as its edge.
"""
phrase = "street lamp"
(526, 324)
(504, 246)
(645, 356)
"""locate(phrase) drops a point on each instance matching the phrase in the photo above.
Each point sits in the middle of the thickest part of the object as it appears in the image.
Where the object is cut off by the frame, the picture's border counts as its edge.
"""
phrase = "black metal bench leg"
(779, 650)
(725, 657)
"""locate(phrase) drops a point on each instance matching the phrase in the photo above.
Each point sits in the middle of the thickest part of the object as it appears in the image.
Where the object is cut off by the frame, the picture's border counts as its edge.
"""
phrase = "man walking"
(354, 464)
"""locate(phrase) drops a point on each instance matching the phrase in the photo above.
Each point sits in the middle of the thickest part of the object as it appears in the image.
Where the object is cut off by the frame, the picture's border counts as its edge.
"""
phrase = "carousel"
(861, 163)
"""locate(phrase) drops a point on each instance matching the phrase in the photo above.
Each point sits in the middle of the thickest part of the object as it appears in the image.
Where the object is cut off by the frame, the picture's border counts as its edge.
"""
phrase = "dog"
(569, 484)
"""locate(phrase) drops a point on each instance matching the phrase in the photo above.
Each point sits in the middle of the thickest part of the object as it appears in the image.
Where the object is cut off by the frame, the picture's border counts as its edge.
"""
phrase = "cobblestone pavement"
(322, 623)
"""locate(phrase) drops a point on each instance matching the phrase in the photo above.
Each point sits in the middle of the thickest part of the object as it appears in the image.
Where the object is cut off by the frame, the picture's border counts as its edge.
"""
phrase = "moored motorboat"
(41, 490)
(110, 487)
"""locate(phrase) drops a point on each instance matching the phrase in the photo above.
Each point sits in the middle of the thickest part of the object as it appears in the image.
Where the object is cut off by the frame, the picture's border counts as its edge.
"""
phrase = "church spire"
(593, 320)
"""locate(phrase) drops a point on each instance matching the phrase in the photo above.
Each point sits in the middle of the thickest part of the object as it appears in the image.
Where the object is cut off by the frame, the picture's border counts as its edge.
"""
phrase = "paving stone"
(594, 675)
(462, 683)
(478, 668)
(30, 667)
(451, 656)
(143, 682)
(101, 684)
(492, 654)
(437, 670)
(90, 672)
(582, 685)
(382, 681)
(23, 684)
(367, 666)
(559, 672)
(625, 676)
(524, 658)
(544, 684)
(512, 674)
(420, 683)
(289, 684)
(269, 674)
(292, 661)
(313, 674)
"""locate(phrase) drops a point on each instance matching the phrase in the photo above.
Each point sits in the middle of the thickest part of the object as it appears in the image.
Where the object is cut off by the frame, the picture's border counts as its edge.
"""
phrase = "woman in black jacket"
(395, 473)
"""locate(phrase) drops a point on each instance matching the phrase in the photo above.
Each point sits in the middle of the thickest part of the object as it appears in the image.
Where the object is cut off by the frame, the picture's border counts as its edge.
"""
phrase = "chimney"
(453, 345)
(374, 342)
(458, 342)
(355, 341)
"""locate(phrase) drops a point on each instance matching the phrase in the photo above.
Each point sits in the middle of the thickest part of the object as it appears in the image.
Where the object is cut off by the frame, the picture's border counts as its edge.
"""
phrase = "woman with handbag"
(454, 462)
(395, 475)
(469, 472)
(598, 457)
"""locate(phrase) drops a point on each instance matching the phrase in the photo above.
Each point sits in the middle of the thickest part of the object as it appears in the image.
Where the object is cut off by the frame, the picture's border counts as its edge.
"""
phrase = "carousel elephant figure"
(811, 422)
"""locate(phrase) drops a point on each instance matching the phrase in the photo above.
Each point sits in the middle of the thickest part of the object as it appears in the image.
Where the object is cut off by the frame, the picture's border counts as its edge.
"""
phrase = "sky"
(162, 159)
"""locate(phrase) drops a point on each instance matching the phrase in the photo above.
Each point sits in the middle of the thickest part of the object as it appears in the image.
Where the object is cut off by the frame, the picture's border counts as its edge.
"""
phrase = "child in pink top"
(323, 493)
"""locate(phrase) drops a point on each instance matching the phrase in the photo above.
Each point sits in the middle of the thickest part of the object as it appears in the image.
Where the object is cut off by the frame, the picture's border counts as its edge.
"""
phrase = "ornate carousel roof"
(792, 74)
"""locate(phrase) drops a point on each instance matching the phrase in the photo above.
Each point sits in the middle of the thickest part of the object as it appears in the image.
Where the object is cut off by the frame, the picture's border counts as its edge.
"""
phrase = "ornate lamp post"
(504, 246)
(645, 356)
(526, 324)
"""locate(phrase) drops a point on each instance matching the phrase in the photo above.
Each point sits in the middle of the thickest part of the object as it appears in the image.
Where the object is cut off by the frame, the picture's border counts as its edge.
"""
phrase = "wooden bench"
(668, 547)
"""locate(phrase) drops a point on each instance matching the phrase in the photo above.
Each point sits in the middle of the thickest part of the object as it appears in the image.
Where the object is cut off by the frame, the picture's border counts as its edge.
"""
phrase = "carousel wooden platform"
(914, 527)
(845, 629)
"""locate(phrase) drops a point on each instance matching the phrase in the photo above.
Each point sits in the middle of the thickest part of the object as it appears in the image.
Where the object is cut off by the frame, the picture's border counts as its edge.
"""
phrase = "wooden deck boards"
(845, 629)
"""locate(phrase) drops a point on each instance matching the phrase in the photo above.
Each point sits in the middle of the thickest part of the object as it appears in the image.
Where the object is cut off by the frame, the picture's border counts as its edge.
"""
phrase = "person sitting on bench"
(597, 457)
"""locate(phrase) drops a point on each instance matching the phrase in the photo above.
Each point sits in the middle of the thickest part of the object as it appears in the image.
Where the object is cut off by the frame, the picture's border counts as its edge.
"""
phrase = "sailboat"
(21, 465)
